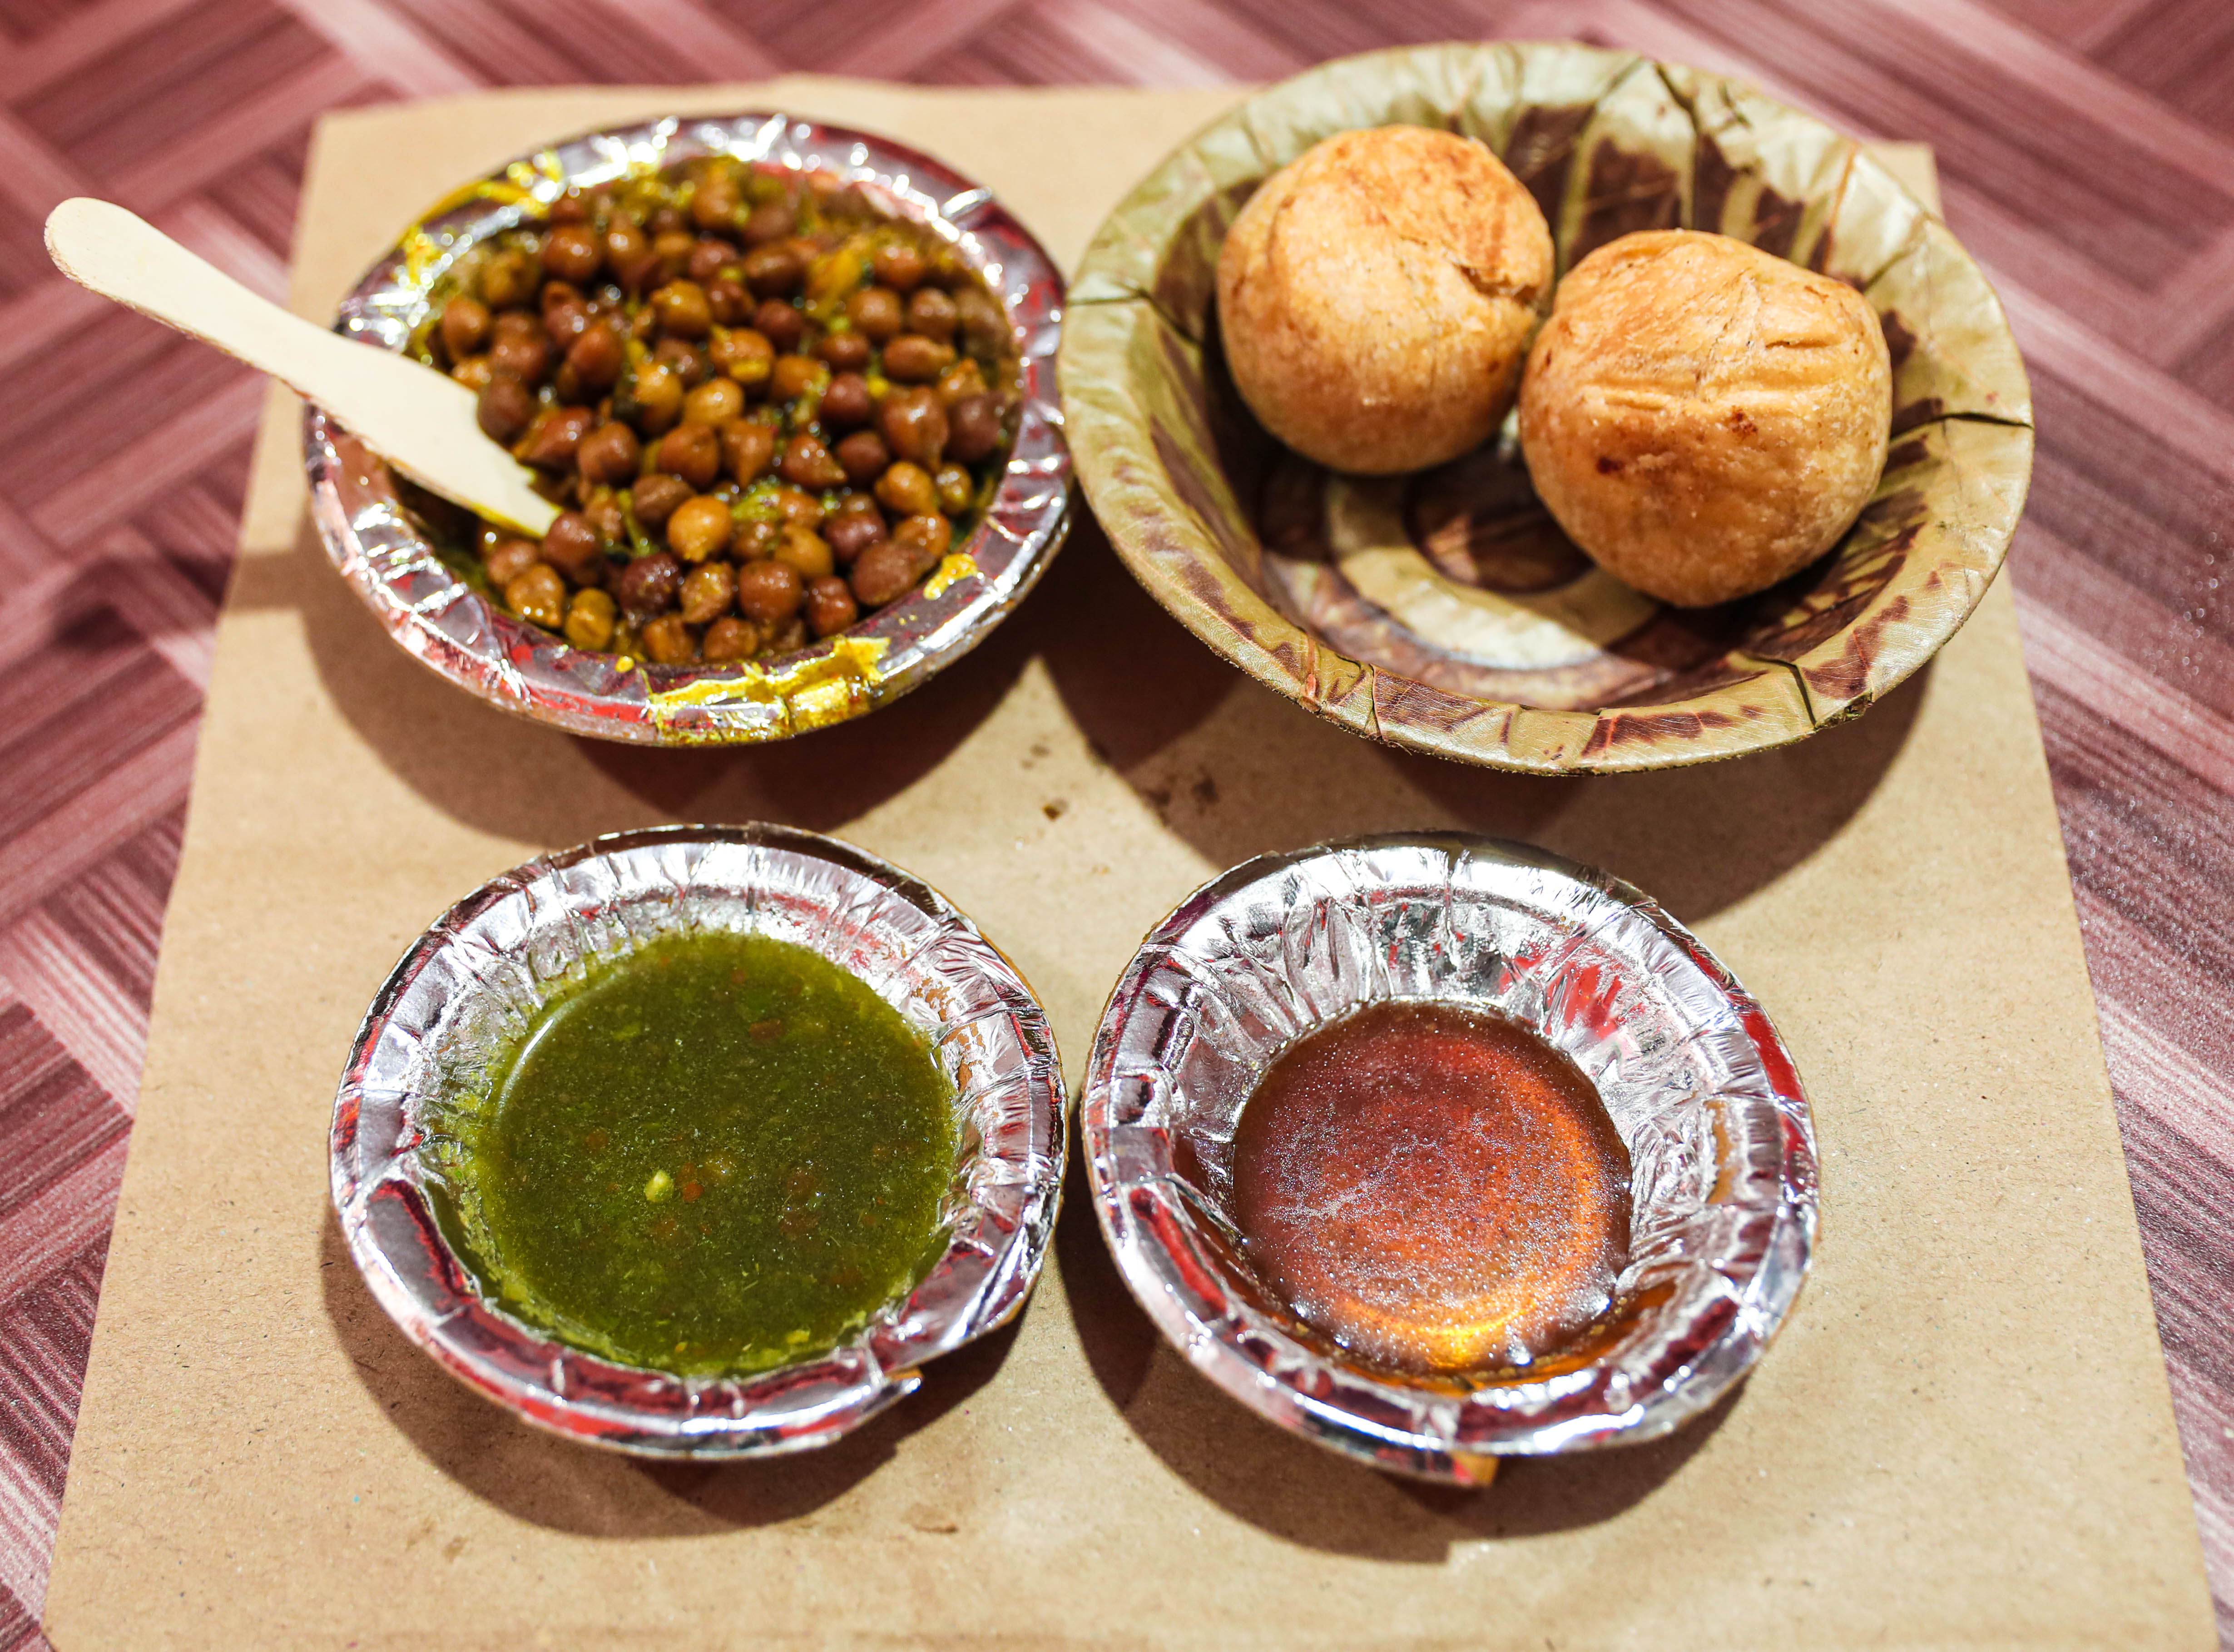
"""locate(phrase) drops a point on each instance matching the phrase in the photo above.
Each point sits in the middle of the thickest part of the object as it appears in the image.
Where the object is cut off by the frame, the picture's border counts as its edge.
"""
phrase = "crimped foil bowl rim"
(483, 671)
(1326, 1423)
(1112, 453)
(610, 1427)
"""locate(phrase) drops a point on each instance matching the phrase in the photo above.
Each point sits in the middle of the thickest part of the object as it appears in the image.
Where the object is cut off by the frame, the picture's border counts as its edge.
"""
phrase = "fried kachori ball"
(1376, 295)
(1704, 418)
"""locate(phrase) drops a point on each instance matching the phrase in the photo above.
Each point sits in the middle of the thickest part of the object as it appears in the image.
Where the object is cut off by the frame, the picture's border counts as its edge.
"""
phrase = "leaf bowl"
(1444, 611)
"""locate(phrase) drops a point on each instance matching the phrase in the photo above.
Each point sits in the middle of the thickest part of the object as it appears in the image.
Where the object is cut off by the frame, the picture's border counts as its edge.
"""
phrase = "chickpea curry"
(766, 407)
(718, 1153)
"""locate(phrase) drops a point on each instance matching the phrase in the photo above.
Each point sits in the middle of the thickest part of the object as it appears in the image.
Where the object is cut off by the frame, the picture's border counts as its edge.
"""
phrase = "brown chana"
(932, 313)
(507, 559)
(876, 314)
(590, 617)
(806, 552)
(572, 253)
(767, 406)
(667, 641)
(745, 356)
(682, 310)
(907, 490)
(756, 540)
(747, 450)
(775, 271)
(648, 584)
(848, 401)
(657, 497)
(504, 407)
(793, 377)
(927, 537)
(973, 429)
(684, 359)
(796, 505)
(716, 202)
(655, 398)
(465, 326)
(729, 301)
(707, 261)
(597, 355)
(699, 528)
(611, 454)
(525, 357)
(692, 451)
(730, 639)
(899, 266)
(554, 436)
(831, 606)
(715, 402)
(913, 359)
(807, 463)
(508, 277)
(864, 456)
(537, 595)
(884, 573)
(771, 221)
(846, 352)
(849, 536)
(571, 546)
(964, 379)
(781, 324)
(769, 592)
(955, 489)
(913, 425)
(707, 591)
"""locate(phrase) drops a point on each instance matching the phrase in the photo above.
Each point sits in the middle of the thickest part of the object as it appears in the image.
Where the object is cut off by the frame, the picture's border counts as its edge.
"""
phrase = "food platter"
(1689, 1074)
(1978, 1263)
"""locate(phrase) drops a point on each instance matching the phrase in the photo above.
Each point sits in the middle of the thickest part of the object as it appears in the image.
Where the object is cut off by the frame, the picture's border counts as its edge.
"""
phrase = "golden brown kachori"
(1702, 417)
(1376, 295)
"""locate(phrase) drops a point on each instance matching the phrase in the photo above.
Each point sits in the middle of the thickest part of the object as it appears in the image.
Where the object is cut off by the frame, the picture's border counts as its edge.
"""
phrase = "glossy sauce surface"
(1436, 1189)
(721, 1153)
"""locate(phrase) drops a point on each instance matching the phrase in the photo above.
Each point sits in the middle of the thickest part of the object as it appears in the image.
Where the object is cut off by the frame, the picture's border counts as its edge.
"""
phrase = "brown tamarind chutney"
(1435, 1188)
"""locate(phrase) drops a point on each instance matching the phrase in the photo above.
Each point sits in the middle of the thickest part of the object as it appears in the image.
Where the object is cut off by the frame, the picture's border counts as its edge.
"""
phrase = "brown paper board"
(1963, 1437)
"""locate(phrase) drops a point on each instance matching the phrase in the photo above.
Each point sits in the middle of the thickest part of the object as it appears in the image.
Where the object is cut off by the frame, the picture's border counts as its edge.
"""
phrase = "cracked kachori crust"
(1704, 418)
(1376, 295)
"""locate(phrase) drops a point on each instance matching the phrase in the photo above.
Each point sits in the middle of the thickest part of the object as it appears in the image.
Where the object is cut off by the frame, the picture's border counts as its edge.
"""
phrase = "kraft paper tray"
(1962, 1437)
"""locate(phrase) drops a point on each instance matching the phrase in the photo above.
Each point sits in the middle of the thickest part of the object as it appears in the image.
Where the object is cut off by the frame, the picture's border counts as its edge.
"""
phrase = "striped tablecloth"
(2085, 151)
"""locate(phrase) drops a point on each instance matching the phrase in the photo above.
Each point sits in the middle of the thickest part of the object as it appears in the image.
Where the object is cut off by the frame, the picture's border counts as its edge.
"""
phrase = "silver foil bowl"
(1701, 1091)
(386, 556)
(471, 984)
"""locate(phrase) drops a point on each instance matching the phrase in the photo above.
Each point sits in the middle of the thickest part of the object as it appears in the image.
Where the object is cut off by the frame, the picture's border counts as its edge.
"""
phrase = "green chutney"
(717, 1153)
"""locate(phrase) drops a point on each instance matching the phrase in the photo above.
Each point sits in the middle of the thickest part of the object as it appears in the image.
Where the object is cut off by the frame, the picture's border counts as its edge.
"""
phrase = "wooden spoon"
(420, 421)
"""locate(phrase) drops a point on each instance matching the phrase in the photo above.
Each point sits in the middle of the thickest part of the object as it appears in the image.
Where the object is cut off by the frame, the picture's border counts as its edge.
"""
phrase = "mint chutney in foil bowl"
(699, 1141)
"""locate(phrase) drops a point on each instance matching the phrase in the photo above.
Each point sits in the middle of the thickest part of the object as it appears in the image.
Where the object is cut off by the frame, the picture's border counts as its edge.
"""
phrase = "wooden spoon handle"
(99, 246)
(420, 420)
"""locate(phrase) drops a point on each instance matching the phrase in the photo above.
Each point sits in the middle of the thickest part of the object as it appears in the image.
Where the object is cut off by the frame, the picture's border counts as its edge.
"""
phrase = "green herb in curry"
(719, 1152)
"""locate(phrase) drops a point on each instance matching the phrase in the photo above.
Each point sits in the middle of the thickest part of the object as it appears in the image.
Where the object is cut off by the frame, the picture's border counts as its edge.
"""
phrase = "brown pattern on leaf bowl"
(1446, 611)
